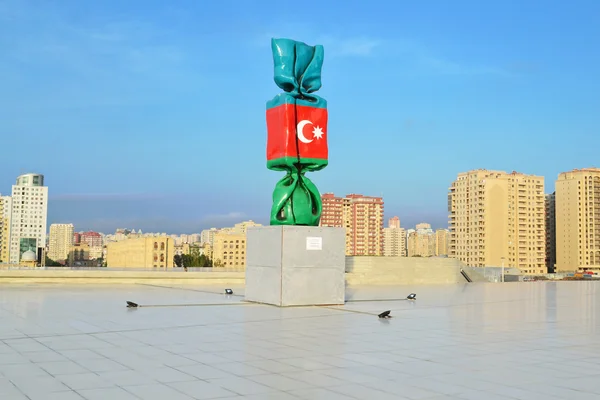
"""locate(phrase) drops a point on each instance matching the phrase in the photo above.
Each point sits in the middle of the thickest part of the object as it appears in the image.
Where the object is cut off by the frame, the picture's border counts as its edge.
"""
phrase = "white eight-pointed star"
(318, 132)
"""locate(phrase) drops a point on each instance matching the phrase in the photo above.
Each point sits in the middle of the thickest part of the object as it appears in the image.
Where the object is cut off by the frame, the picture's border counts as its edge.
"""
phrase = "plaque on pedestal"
(295, 265)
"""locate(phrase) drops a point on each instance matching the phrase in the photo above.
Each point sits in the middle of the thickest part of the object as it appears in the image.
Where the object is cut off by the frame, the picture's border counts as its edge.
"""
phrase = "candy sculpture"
(296, 132)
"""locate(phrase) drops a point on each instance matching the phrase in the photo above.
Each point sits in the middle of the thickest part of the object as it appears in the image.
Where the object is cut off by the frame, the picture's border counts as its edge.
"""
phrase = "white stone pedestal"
(295, 265)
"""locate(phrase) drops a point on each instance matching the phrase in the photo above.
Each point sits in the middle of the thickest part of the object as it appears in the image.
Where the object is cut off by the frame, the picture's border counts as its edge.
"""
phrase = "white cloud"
(231, 216)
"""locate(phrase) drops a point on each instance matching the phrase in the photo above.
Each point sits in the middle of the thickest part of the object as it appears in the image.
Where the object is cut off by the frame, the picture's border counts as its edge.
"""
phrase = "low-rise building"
(229, 250)
(147, 252)
(80, 256)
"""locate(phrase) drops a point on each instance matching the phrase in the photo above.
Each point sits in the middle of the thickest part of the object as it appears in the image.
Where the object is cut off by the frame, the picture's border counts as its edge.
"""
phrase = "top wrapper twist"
(297, 67)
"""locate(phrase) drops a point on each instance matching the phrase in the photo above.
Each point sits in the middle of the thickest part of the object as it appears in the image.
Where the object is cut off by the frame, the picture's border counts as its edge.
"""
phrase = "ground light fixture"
(228, 291)
(385, 314)
(412, 296)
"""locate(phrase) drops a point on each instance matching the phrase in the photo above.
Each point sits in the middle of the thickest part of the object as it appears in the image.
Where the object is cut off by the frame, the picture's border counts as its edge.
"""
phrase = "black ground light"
(385, 314)
(412, 296)
(228, 291)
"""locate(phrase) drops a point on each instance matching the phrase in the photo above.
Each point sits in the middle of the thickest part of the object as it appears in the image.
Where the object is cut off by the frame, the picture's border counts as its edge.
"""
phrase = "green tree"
(51, 263)
(195, 259)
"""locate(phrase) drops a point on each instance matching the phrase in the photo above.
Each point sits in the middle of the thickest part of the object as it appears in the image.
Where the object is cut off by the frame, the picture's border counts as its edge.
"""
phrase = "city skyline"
(109, 225)
(137, 100)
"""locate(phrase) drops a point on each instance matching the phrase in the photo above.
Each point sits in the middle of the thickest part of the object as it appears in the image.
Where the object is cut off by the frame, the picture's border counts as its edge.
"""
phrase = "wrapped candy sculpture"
(296, 132)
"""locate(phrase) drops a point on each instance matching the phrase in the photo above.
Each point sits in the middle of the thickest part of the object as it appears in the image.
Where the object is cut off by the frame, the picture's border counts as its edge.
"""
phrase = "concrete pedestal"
(295, 265)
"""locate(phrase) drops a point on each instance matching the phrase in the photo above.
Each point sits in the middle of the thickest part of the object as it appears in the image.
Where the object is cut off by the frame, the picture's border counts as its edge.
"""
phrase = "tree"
(195, 259)
(178, 260)
(51, 263)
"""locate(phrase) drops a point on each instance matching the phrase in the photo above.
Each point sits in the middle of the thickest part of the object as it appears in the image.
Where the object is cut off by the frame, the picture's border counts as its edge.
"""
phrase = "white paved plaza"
(473, 341)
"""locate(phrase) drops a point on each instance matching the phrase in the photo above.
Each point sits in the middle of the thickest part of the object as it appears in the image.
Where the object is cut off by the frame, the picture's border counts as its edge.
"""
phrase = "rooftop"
(472, 341)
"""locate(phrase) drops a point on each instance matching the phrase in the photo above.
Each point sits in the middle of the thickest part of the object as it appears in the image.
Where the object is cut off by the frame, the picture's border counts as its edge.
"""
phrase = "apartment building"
(145, 252)
(60, 241)
(441, 242)
(497, 218)
(394, 239)
(5, 213)
(577, 200)
(229, 250)
(93, 239)
(421, 241)
(361, 216)
(550, 212)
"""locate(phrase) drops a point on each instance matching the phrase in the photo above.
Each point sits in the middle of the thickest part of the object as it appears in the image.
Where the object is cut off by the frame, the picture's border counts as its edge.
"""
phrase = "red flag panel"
(294, 130)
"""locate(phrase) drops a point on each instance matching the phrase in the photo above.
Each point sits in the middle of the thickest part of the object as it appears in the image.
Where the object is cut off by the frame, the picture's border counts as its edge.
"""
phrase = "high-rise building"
(441, 242)
(394, 239)
(362, 216)
(61, 241)
(421, 242)
(578, 220)
(93, 239)
(497, 218)
(550, 231)
(207, 236)
(29, 216)
(5, 213)
(76, 238)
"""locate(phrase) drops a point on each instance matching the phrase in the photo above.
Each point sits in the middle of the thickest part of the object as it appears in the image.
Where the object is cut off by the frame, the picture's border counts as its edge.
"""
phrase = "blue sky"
(151, 114)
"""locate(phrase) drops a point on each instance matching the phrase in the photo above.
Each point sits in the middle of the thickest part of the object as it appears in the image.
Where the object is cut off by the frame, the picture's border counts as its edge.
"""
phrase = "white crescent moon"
(300, 133)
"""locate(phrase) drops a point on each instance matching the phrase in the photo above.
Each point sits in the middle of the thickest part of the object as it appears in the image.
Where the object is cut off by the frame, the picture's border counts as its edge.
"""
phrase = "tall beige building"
(550, 231)
(578, 220)
(441, 242)
(145, 252)
(362, 216)
(242, 227)
(5, 211)
(229, 250)
(394, 239)
(207, 236)
(498, 218)
(60, 241)
(421, 242)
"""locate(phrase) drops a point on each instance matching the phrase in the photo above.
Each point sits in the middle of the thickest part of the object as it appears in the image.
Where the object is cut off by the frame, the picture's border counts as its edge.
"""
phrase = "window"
(162, 245)
(155, 245)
